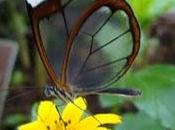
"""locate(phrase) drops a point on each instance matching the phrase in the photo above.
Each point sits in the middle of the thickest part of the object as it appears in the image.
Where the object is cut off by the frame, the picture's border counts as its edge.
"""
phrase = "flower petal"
(73, 111)
(47, 113)
(47, 118)
(99, 119)
(36, 125)
(100, 128)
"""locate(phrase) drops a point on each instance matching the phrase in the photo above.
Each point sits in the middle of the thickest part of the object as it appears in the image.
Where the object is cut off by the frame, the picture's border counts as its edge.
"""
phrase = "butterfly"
(85, 48)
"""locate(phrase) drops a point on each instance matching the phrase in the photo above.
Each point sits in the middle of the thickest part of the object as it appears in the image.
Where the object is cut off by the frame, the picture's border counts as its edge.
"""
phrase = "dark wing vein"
(105, 22)
(101, 47)
(98, 49)
(105, 65)
(103, 86)
(92, 42)
(65, 22)
(67, 3)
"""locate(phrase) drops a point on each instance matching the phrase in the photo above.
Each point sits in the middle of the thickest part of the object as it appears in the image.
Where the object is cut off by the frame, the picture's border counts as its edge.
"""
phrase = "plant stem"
(18, 25)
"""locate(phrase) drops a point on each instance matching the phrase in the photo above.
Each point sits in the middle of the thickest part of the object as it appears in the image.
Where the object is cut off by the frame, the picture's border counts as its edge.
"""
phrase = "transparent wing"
(101, 50)
(55, 29)
(54, 34)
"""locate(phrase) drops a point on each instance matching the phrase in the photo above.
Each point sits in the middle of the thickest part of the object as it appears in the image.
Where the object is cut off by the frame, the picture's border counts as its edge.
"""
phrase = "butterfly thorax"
(51, 91)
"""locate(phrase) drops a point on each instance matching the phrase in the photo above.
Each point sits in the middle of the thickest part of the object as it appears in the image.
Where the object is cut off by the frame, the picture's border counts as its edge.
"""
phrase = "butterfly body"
(51, 91)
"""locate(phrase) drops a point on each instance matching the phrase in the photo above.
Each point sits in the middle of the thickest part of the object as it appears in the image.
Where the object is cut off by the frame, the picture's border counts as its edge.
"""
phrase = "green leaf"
(109, 100)
(139, 121)
(17, 78)
(158, 87)
(148, 10)
(14, 119)
(142, 10)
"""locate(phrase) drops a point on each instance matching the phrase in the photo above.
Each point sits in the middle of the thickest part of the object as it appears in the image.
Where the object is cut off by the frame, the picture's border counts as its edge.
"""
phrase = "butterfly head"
(52, 91)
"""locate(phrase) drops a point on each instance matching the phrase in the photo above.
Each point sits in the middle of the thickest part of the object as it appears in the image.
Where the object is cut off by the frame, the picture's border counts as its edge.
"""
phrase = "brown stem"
(18, 26)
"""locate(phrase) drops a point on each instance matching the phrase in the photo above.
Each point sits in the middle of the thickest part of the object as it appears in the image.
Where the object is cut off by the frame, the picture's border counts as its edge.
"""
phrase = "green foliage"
(17, 78)
(139, 121)
(14, 119)
(158, 86)
(34, 111)
(148, 10)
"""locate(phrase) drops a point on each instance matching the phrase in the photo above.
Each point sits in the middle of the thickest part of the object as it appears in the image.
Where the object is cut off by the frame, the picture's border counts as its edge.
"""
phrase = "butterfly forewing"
(73, 9)
(53, 33)
(55, 28)
(103, 45)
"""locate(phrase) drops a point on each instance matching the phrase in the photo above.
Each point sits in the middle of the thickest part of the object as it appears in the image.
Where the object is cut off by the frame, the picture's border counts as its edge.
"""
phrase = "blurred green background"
(153, 72)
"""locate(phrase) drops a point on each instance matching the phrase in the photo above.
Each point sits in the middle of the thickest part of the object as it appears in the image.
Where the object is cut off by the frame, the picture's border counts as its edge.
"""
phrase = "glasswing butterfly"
(85, 46)
(92, 46)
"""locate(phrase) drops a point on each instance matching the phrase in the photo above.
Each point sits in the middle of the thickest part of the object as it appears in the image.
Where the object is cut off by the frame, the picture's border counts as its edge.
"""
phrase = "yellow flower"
(48, 118)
